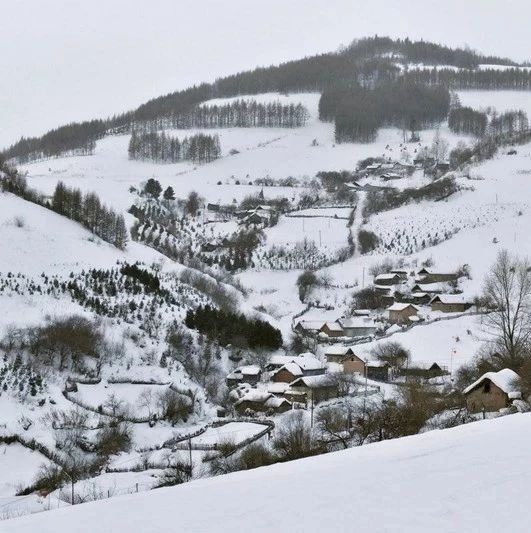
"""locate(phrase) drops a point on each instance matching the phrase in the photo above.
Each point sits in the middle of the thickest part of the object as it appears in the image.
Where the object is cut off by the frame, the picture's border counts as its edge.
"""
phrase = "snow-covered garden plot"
(113, 398)
(412, 228)
(304, 239)
(19, 467)
(233, 433)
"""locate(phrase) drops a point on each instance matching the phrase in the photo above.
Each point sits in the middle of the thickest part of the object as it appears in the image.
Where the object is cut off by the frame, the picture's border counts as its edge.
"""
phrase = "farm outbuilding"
(493, 391)
(400, 313)
(450, 303)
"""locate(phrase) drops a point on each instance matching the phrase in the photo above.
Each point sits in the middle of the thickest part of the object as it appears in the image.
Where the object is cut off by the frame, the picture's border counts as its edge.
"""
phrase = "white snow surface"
(461, 479)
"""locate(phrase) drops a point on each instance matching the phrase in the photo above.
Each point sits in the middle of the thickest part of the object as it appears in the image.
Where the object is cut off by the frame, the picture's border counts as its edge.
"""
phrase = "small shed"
(493, 391)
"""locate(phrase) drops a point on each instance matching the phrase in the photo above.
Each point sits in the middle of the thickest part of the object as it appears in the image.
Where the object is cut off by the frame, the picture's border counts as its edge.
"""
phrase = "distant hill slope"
(365, 59)
(461, 479)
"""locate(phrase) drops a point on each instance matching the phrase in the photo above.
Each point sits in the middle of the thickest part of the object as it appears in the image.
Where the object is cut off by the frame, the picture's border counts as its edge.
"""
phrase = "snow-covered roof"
(450, 299)
(333, 326)
(274, 402)
(401, 306)
(292, 368)
(337, 350)
(306, 361)
(361, 312)
(395, 328)
(385, 277)
(357, 322)
(311, 324)
(506, 379)
(324, 380)
(277, 388)
(255, 395)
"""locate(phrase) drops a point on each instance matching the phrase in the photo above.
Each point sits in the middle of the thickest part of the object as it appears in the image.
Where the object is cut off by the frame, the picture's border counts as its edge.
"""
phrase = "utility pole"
(311, 408)
(190, 451)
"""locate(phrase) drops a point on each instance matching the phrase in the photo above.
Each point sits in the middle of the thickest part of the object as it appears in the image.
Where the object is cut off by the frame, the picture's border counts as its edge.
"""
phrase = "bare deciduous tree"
(508, 291)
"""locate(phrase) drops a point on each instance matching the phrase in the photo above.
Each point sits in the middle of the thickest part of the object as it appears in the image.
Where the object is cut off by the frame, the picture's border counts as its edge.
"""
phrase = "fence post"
(137, 487)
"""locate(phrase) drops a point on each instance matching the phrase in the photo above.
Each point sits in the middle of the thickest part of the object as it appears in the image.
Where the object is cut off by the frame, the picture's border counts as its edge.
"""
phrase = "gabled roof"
(450, 299)
(333, 326)
(506, 379)
(306, 361)
(325, 380)
(311, 324)
(401, 306)
(386, 276)
(293, 368)
(338, 350)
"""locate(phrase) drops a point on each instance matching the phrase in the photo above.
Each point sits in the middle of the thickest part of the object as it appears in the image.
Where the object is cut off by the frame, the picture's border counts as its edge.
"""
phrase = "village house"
(424, 370)
(493, 391)
(426, 276)
(308, 364)
(261, 402)
(403, 274)
(315, 388)
(332, 329)
(401, 313)
(287, 373)
(420, 298)
(336, 354)
(358, 326)
(388, 279)
(309, 327)
(345, 356)
(450, 303)
(250, 374)
(431, 288)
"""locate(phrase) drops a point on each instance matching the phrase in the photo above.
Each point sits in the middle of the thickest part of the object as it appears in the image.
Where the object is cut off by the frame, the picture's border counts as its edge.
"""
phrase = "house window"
(486, 387)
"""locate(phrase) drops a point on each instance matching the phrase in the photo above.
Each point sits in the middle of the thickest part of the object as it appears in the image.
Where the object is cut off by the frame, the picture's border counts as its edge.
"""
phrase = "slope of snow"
(35, 240)
(462, 479)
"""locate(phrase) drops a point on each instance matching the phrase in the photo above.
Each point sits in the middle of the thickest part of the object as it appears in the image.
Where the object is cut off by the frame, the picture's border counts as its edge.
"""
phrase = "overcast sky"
(65, 60)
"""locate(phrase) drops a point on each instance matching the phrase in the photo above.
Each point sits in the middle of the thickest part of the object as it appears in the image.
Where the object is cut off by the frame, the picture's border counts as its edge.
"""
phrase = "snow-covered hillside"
(462, 479)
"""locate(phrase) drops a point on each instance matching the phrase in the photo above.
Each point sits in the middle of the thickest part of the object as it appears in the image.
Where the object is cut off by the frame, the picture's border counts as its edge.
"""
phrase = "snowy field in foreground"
(463, 479)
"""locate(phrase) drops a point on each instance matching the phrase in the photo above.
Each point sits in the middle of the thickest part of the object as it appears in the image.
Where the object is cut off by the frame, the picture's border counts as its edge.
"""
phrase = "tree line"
(238, 114)
(88, 210)
(492, 79)
(359, 112)
(162, 148)
(363, 59)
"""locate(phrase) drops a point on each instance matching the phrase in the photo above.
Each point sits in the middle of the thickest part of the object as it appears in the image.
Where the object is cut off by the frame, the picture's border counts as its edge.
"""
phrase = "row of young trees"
(359, 112)
(468, 120)
(159, 147)
(88, 210)
(238, 114)
(491, 79)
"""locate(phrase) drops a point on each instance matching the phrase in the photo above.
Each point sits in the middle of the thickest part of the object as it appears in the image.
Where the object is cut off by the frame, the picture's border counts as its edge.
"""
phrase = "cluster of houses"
(424, 287)
(404, 293)
(285, 382)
